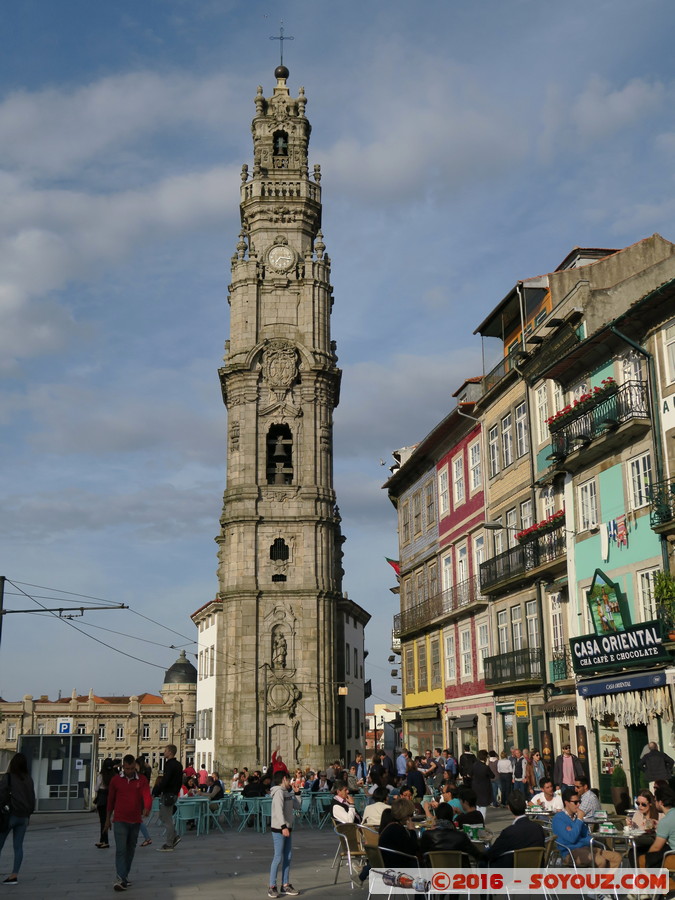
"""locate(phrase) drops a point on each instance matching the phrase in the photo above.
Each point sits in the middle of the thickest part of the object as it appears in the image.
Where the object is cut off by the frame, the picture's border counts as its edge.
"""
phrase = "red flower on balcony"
(548, 524)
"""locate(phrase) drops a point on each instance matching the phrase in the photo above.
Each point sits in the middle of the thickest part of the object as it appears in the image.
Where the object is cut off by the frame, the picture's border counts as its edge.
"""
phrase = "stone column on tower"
(280, 558)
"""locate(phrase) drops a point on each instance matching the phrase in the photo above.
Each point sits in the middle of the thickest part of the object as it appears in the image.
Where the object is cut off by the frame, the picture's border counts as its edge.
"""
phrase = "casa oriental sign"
(635, 645)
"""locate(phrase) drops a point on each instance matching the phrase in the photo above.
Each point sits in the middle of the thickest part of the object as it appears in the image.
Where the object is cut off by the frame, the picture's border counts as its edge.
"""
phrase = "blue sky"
(463, 146)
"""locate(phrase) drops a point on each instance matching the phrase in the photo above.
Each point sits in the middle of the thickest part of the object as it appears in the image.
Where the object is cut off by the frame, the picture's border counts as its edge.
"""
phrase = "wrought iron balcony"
(456, 599)
(517, 667)
(662, 504)
(519, 560)
(503, 366)
(599, 418)
(560, 665)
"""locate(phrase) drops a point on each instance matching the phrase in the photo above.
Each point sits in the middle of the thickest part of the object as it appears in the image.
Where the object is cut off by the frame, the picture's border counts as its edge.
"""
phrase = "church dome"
(181, 672)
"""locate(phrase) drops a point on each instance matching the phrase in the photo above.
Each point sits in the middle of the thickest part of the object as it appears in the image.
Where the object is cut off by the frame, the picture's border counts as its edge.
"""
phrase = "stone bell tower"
(280, 542)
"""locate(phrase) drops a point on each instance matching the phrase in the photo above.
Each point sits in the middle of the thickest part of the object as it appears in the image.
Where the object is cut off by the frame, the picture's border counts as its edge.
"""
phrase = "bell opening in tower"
(279, 455)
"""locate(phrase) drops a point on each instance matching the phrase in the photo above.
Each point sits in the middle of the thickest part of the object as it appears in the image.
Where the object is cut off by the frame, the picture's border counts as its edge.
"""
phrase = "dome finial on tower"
(281, 71)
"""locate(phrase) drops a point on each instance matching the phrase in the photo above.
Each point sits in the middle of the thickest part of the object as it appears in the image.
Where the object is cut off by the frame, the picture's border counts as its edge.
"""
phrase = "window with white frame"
(443, 493)
(640, 477)
(588, 505)
(646, 599)
(41, 729)
(579, 389)
(11, 731)
(517, 627)
(422, 671)
(507, 440)
(511, 529)
(430, 503)
(475, 468)
(163, 732)
(81, 728)
(119, 732)
(526, 514)
(547, 501)
(458, 479)
(446, 571)
(145, 736)
(409, 670)
(521, 429)
(417, 512)
(503, 631)
(541, 402)
(478, 553)
(558, 397)
(498, 536)
(493, 447)
(101, 731)
(631, 367)
(462, 563)
(532, 624)
(450, 659)
(669, 348)
(435, 659)
(483, 641)
(466, 661)
(405, 522)
(557, 630)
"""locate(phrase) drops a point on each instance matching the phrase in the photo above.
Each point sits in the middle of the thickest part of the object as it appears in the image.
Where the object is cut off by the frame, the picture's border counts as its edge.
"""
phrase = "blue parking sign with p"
(64, 727)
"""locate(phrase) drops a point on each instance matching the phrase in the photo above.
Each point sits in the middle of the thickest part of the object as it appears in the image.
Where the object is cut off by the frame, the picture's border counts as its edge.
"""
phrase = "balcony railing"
(560, 665)
(514, 667)
(522, 558)
(630, 401)
(662, 503)
(459, 596)
(503, 366)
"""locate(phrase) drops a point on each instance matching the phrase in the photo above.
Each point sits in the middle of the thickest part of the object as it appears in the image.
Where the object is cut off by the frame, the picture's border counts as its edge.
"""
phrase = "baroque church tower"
(280, 557)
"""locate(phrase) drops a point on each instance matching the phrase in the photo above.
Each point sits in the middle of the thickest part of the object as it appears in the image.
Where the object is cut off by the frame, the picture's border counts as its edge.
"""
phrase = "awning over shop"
(631, 699)
(421, 712)
(561, 705)
(465, 722)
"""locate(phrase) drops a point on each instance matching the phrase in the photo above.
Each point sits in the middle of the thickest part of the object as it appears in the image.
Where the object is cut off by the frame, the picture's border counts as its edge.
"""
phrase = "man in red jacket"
(129, 800)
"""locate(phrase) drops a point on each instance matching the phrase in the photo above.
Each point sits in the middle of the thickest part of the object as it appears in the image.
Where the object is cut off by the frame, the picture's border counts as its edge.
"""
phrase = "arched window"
(279, 455)
(280, 140)
(279, 550)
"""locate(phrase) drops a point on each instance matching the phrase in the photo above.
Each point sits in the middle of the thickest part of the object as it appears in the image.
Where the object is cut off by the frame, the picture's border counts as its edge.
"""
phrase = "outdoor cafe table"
(198, 802)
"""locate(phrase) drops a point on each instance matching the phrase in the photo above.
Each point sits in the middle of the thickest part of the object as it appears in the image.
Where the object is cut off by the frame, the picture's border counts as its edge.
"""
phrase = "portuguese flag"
(395, 564)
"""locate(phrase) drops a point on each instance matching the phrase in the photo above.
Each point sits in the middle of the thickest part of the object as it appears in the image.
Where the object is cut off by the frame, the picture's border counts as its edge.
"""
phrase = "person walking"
(129, 801)
(144, 769)
(492, 762)
(18, 793)
(284, 802)
(481, 782)
(169, 786)
(105, 776)
(656, 765)
(505, 770)
(567, 768)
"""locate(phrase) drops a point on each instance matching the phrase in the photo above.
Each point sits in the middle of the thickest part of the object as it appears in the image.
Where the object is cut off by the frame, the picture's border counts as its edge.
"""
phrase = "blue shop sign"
(622, 684)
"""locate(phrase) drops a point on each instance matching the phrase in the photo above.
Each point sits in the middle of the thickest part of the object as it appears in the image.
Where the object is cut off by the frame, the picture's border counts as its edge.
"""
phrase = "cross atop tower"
(281, 38)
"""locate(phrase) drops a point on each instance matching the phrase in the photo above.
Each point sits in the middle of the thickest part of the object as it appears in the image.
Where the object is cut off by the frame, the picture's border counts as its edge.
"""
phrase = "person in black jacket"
(415, 780)
(169, 787)
(17, 791)
(466, 761)
(520, 835)
(397, 835)
(481, 778)
(444, 835)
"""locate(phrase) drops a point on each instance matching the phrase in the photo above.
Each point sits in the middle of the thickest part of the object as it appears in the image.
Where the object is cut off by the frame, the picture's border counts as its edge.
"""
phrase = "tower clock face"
(281, 258)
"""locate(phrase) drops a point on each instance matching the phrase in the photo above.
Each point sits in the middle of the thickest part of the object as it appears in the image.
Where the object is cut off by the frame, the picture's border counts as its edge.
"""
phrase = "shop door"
(522, 728)
(637, 739)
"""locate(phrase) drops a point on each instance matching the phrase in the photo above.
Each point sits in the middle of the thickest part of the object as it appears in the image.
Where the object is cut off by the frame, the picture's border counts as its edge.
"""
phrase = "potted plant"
(620, 797)
(664, 597)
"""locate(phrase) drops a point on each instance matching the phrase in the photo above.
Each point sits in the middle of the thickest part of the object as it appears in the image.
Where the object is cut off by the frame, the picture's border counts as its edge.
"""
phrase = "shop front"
(469, 721)
(422, 729)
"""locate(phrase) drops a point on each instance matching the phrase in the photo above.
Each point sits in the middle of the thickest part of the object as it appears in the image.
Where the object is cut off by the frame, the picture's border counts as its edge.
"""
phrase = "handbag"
(6, 808)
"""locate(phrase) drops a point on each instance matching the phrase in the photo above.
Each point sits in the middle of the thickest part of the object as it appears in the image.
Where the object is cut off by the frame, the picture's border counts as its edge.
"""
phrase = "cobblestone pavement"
(60, 860)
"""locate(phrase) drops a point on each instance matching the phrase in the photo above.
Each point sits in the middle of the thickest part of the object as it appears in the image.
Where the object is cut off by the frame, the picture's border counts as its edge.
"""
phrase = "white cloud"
(601, 110)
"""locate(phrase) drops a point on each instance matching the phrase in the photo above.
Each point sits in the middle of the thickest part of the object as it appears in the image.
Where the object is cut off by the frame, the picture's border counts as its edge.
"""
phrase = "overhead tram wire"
(42, 587)
(90, 636)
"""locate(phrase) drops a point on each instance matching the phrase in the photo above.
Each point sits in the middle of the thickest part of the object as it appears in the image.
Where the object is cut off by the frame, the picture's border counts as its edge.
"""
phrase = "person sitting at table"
(470, 815)
(448, 795)
(352, 780)
(214, 791)
(573, 837)
(646, 816)
(665, 829)
(298, 781)
(253, 788)
(588, 802)
(407, 794)
(342, 808)
(320, 783)
(519, 835)
(444, 836)
(398, 835)
(372, 815)
(547, 797)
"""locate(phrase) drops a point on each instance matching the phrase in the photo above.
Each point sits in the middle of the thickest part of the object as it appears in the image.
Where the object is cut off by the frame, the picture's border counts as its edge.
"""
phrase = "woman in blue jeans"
(284, 802)
(17, 792)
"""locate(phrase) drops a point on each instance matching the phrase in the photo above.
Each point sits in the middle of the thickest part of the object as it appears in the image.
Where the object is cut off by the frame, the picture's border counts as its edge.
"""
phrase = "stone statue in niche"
(279, 648)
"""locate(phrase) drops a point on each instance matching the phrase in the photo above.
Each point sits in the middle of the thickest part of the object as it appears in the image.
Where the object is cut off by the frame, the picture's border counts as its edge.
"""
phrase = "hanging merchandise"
(621, 532)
